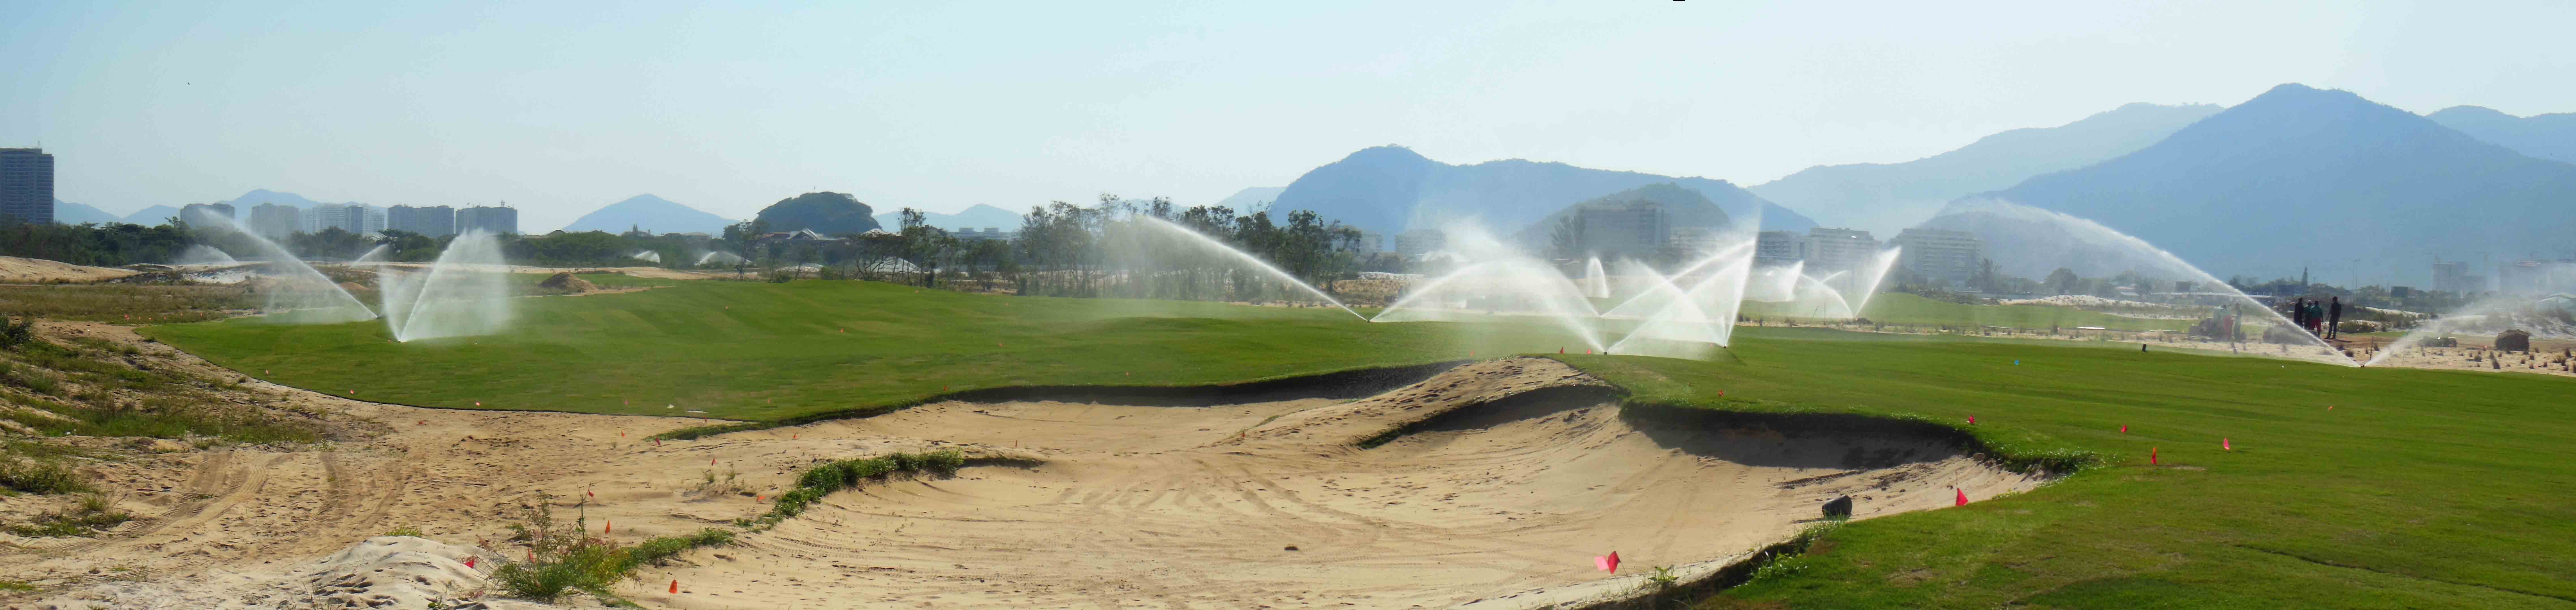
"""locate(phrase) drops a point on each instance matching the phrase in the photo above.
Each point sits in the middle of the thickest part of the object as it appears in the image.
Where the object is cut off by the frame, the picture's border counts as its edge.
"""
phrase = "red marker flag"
(1607, 563)
(469, 562)
(2124, 428)
(675, 586)
(1963, 496)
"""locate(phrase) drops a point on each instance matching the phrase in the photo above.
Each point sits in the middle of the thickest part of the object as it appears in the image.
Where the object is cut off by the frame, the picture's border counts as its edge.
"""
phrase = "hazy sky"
(561, 107)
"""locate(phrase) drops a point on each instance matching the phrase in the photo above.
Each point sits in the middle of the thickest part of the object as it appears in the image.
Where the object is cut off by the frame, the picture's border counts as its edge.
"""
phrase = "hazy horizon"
(562, 109)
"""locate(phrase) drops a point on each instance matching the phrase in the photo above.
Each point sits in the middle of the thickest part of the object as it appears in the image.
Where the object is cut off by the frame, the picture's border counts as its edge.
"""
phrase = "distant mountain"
(1247, 199)
(826, 213)
(2302, 177)
(1885, 197)
(242, 204)
(72, 213)
(1391, 189)
(649, 213)
(978, 216)
(151, 216)
(2547, 136)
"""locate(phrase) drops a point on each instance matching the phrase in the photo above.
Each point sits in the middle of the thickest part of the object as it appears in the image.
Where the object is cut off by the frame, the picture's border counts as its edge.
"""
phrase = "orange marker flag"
(605, 525)
(2151, 457)
(1963, 496)
(675, 585)
(1607, 563)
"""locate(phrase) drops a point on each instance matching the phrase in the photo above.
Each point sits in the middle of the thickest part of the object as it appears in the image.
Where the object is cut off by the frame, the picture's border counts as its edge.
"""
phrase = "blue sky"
(561, 107)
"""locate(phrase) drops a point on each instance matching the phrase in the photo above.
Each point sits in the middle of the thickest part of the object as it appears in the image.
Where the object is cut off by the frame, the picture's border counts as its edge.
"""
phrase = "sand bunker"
(1514, 475)
(1509, 476)
(15, 270)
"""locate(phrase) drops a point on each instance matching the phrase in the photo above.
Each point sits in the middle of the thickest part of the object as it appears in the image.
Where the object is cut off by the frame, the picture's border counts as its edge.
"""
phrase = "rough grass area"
(763, 351)
(127, 303)
(2418, 488)
(89, 387)
(93, 513)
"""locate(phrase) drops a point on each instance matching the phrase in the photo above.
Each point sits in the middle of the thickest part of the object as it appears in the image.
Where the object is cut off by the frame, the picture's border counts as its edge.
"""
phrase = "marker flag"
(1607, 563)
(675, 586)
(469, 562)
(2222, 444)
(2151, 457)
(1963, 496)
(2124, 428)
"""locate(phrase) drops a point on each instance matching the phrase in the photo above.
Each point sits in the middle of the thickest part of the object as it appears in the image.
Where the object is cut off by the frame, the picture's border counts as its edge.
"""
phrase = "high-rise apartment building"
(494, 220)
(273, 221)
(1418, 241)
(1778, 248)
(2454, 277)
(433, 221)
(27, 184)
(1632, 229)
(1838, 249)
(1939, 254)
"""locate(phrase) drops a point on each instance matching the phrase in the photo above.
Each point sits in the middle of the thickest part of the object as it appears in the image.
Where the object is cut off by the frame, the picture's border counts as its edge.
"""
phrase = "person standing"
(2299, 313)
(2334, 316)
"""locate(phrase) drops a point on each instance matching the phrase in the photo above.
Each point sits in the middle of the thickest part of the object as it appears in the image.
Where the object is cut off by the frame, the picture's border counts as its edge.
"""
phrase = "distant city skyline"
(561, 109)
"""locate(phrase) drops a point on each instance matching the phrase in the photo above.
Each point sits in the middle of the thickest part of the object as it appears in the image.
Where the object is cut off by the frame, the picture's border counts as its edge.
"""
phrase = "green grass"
(781, 350)
(1903, 309)
(2419, 489)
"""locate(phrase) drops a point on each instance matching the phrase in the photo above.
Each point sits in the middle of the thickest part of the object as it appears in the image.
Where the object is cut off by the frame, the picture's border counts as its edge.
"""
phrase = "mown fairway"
(756, 350)
(2417, 489)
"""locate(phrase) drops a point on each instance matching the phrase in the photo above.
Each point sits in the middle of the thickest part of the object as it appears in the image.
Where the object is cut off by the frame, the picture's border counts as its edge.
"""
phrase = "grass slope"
(2420, 488)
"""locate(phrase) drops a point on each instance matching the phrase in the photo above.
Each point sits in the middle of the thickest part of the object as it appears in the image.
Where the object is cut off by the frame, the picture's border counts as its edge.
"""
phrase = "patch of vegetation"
(405, 531)
(93, 387)
(823, 479)
(128, 303)
(567, 561)
(94, 513)
(40, 477)
(12, 585)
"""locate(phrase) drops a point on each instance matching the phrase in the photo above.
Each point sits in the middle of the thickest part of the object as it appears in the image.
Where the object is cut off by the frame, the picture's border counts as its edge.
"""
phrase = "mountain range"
(651, 214)
(2297, 178)
(1392, 189)
(1247, 199)
(69, 213)
(978, 216)
(1884, 197)
(2547, 136)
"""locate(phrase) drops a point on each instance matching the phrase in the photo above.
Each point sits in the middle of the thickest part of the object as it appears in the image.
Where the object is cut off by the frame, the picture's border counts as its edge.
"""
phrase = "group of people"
(2319, 318)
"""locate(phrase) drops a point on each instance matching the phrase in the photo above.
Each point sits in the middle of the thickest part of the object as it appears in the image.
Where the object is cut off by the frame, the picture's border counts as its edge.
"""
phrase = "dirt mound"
(15, 270)
(566, 281)
(2513, 340)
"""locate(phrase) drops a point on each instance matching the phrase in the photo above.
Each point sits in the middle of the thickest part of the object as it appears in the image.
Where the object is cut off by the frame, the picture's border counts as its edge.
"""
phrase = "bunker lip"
(1502, 476)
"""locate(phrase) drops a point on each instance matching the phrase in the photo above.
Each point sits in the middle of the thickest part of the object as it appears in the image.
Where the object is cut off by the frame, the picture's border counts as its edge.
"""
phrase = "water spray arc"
(465, 293)
(302, 294)
(1241, 256)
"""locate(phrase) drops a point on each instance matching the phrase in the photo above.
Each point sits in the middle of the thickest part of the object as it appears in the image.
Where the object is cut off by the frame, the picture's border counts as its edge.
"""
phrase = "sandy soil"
(1108, 504)
(15, 270)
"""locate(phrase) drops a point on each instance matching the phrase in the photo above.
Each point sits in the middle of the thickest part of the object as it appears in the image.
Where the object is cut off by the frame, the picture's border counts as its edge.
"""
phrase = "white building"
(1838, 249)
(1938, 254)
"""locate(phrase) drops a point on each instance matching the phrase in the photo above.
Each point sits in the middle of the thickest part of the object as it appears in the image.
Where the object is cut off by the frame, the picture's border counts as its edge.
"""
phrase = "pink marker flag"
(2124, 428)
(1972, 420)
(1963, 496)
(1607, 563)
(2222, 444)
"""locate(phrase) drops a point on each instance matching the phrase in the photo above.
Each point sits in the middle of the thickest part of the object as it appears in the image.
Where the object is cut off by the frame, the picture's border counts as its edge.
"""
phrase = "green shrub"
(40, 477)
